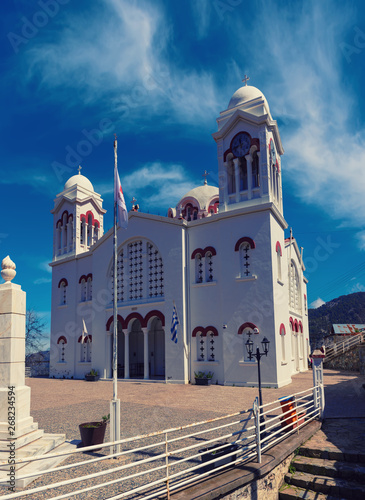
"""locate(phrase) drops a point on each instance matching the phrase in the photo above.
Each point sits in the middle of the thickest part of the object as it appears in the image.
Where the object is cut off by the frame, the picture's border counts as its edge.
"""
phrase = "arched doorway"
(136, 350)
(156, 345)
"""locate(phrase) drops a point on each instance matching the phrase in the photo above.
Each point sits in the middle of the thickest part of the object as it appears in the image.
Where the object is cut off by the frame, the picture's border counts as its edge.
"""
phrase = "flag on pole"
(174, 323)
(118, 194)
(84, 332)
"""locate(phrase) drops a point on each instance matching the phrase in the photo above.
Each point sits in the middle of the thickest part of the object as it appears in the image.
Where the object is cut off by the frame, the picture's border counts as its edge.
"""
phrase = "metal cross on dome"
(245, 80)
(205, 175)
(79, 169)
(133, 201)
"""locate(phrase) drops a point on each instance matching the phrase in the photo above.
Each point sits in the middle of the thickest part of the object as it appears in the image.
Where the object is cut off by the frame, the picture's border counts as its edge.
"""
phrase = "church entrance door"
(157, 349)
(136, 350)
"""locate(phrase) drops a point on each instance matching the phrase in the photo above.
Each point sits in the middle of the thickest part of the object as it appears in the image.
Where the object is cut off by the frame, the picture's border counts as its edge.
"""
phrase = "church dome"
(79, 180)
(245, 94)
(202, 194)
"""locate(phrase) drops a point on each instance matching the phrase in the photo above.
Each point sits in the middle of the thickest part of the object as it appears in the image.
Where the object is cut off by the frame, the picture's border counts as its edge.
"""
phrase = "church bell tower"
(249, 152)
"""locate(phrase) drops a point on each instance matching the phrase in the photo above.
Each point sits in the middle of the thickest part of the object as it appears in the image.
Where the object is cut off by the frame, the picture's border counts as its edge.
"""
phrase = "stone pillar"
(12, 354)
(21, 431)
(237, 178)
(145, 352)
(126, 353)
(317, 366)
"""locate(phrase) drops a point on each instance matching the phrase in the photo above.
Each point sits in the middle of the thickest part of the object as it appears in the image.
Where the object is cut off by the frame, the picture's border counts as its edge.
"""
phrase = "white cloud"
(41, 281)
(45, 266)
(317, 303)
(154, 185)
(358, 287)
(323, 137)
(116, 57)
(201, 12)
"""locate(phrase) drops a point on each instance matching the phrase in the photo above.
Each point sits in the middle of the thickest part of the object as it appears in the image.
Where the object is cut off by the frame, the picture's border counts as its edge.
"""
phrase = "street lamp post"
(258, 355)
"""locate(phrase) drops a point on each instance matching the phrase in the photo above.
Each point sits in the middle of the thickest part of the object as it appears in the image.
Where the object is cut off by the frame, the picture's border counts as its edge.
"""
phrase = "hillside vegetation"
(344, 309)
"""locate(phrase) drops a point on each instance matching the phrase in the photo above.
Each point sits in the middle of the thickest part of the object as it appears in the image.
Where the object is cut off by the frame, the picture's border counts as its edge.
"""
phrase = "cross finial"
(205, 175)
(245, 80)
(133, 201)
(79, 169)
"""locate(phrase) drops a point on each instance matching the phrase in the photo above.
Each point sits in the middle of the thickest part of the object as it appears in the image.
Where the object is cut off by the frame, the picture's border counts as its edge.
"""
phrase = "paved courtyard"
(59, 406)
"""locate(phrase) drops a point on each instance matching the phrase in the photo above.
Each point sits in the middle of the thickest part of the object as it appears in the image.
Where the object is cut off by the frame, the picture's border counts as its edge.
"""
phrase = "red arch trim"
(87, 338)
(156, 314)
(246, 325)
(296, 326)
(63, 280)
(203, 252)
(245, 239)
(131, 316)
(93, 220)
(110, 321)
(291, 321)
(83, 277)
(282, 329)
(205, 331)
(278, 247)
(300, 327)
(62, 338)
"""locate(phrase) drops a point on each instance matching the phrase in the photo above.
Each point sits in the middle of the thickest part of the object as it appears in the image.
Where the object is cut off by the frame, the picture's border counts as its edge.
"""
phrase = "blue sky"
(158, 73)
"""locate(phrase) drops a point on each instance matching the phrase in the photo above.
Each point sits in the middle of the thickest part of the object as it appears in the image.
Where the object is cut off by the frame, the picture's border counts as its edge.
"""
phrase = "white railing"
(343, 346)
(161, 462)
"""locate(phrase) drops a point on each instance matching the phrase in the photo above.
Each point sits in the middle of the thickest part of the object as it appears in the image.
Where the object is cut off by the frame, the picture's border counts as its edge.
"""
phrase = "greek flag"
(174, 323)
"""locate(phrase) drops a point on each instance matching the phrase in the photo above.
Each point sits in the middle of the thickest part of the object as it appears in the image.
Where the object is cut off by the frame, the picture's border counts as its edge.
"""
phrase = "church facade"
(220, 256)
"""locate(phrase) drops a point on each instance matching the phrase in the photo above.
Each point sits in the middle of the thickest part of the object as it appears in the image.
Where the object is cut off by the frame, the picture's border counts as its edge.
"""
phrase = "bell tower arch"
(249, 152)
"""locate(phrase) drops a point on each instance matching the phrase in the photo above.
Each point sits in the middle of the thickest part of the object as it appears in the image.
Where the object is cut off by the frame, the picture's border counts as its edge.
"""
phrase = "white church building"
(220, 256)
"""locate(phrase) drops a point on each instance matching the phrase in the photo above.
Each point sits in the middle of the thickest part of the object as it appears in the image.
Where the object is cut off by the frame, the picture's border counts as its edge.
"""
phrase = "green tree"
(34, 334)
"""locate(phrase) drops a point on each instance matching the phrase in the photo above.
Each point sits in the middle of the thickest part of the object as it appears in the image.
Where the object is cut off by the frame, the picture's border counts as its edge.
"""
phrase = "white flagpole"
(115, 403)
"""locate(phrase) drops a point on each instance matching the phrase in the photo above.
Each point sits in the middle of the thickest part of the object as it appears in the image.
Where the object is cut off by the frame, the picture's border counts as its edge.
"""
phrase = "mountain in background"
(343, 310)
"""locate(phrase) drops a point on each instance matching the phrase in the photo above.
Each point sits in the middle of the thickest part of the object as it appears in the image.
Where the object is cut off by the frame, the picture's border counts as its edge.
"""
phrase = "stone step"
(42, 465)
(330, 468)
(340, 488)
(288, 492)
(331, 452)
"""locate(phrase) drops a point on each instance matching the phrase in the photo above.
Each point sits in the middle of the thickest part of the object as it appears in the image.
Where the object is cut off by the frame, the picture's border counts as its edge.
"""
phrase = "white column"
(145, 352)
(225, 185)
(92, 235)
(58, 240)
(249, 176)
(126, 353)
(237, 178)
(69, 248)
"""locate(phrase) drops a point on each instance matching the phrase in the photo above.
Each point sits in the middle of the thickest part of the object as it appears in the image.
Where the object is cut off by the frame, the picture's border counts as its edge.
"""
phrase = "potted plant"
(219, 455)
(203, 378)
(92, 376)
(93, 432)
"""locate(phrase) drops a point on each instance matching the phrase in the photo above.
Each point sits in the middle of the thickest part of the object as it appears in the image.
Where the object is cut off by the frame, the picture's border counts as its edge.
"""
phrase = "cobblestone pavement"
(59, 406)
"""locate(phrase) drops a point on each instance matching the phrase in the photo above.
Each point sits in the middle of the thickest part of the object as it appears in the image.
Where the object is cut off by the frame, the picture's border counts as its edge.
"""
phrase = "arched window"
(140, 272)
(231, 177)
(278, 260)
(245, 259)
(292, 338)
(247, 330)
(61, 342)
(273, 180)
(82, 231)
(294, 292)
(195, 215)
(255, 170)
(89, 292)
(89, 226)
(96, 232)
(198, 268)
(64, 231)
(205, 343)
(62, 285)
(85, 349)
(83, 290)
(282, 336)
(188, 213)
(243, 174)
(208, 266)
